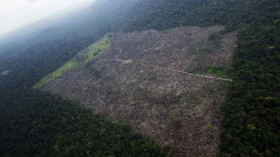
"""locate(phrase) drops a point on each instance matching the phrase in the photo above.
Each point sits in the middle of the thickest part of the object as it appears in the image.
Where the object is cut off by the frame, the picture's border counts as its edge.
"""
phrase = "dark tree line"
(45, 125)
(251, 126)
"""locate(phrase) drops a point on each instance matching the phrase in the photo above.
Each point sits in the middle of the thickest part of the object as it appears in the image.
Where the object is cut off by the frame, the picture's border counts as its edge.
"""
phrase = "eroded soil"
(143, 80)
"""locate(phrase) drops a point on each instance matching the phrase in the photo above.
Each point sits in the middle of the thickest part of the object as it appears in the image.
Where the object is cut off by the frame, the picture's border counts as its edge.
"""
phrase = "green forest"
(251, 126)
(46, 125)
(40, 124)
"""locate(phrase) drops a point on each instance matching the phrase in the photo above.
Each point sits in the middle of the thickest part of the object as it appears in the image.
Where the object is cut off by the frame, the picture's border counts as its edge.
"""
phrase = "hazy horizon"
(19, 13)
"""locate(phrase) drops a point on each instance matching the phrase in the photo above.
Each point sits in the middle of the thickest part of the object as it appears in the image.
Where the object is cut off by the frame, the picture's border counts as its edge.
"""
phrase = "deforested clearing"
(158, 82)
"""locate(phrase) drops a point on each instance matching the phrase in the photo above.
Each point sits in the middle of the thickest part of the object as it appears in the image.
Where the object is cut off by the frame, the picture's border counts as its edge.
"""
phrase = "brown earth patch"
(134, 83)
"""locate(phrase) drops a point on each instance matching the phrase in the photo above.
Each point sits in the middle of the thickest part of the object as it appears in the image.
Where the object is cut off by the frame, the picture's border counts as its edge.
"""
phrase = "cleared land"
(168, 85)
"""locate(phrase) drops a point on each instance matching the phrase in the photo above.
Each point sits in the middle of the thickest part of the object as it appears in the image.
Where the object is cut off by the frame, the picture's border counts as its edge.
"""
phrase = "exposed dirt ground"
(144, 80)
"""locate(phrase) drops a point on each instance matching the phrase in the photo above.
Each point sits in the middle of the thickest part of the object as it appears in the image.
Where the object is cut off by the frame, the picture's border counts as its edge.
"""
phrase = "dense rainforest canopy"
(39, 124)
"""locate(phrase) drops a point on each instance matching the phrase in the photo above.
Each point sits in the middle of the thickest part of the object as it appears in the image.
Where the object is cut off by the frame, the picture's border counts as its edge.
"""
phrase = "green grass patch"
(216, 35)
(191, 97)
(200, 49)
(62, 70)
(94, 50)
(219, 71)
(98, 48)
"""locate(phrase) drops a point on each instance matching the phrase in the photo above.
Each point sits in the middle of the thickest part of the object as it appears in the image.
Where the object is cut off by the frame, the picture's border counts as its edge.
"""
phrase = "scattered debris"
(154, 81)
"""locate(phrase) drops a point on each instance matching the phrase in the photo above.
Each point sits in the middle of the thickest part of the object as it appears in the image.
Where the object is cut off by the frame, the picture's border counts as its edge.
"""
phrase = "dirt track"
(129, 61)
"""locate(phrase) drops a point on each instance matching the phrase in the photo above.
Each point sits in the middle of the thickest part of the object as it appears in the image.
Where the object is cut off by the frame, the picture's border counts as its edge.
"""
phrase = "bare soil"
(148, 80)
